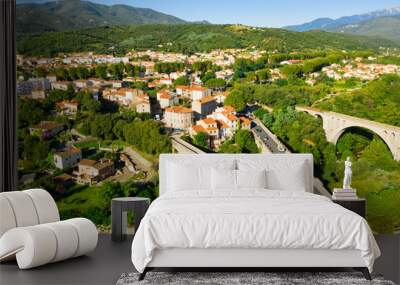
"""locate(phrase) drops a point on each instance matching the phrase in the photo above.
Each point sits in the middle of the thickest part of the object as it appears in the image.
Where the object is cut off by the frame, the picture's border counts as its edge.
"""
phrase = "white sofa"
(31, 231)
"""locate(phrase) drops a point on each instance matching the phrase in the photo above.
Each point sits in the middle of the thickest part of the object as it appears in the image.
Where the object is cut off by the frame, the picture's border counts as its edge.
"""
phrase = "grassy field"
(82, 197)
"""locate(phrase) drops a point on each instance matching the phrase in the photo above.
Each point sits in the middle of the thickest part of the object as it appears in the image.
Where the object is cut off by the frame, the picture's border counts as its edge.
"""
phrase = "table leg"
(116, 222)
(139, 212)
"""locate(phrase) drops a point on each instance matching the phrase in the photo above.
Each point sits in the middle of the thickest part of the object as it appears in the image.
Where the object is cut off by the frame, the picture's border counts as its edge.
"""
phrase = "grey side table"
(119, 208)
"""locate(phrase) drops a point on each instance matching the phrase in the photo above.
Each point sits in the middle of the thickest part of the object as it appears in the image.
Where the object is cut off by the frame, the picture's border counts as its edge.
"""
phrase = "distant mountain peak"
(329, 24)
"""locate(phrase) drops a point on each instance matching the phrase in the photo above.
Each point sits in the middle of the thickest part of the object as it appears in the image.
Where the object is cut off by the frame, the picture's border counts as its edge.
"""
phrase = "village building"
(226, 74)
(91, 171)
(216, 130)
(62, 182)
(79, 84)
(166, 98)
(144, 105)
(166, 81)
(194, 92)
(123, 96)
(67, 158)
(51, 78)
(178, 117)
(34, 88)
(245, 123)
(199, 92)
(204, 107)
(226, 114)
(68, 107)
(60, 85)
(183, 90)
(291, 61)
(220, 97)
(38, 94)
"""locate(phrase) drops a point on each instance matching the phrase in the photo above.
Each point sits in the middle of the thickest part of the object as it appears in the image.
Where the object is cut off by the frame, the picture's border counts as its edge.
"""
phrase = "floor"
(106, 264)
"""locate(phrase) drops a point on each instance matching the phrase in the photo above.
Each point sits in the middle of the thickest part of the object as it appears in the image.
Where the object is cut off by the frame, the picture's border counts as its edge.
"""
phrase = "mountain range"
(381, 23)
(77, 14)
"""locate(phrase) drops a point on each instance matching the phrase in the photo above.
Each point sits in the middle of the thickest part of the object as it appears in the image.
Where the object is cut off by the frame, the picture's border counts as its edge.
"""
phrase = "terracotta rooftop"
(245, 121)
(199, 129)
(207, 100)
(178, 109)
(183, 87)
(68, 152)
(198, 88)
(46, 125)
(63, 177)
(209, 121)
(88, 162)
(231, 117)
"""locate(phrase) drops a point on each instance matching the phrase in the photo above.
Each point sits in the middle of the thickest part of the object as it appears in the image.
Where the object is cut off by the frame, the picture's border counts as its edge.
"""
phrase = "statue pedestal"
(344, 194)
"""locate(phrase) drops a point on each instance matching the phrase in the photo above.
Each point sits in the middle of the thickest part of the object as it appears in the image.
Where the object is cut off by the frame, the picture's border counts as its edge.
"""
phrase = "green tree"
(216, 83)
(101, 71)
(201, 140)
(61, 74)
(229, 146)
(207, 76)
(293, 71)
(101, 126)
(116, 71)
(245, 140)
(88, 103)
(263, 75)
(183, 80)
(39, 72)
(202, 66)
(236, 100)
(147, 136)
(82, 72)
(109, 190)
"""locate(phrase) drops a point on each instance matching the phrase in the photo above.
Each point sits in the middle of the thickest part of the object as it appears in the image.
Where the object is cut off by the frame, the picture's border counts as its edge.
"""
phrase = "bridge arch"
(335, 124)
(341, 132)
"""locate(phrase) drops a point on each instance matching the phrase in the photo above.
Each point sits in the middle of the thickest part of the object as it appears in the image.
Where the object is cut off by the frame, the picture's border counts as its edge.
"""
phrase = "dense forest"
(188, 38)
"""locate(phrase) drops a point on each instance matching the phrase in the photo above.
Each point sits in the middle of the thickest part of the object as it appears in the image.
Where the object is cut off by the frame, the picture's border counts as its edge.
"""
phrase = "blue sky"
(271, 13)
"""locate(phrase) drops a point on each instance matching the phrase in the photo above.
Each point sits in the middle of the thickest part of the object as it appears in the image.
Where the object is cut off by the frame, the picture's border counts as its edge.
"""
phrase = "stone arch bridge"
(335, 124)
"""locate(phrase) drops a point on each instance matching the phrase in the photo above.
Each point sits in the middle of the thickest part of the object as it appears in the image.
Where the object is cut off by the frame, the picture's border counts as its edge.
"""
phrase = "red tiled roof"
(199, 129)
(209, 121)
(178, 109)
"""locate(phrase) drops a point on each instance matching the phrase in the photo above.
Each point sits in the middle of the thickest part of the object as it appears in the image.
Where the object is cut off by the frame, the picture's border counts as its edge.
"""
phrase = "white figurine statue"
(347, 174)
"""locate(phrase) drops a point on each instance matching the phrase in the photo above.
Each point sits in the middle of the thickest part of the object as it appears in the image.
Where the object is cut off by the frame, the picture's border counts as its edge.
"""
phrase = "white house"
(67, 158)
(178, 117)
(204, 107)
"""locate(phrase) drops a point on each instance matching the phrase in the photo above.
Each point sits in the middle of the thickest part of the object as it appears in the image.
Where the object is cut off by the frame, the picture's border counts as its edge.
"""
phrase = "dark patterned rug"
(244, 278)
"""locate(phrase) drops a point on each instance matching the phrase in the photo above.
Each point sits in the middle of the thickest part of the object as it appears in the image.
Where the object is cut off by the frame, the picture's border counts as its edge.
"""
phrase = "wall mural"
(97, 104)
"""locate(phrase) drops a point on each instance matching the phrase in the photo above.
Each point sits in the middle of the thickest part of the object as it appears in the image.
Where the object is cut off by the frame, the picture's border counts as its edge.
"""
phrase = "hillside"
(378, 101)
(331, 24)
(77, 14)
(189, 38)
(384, 27)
